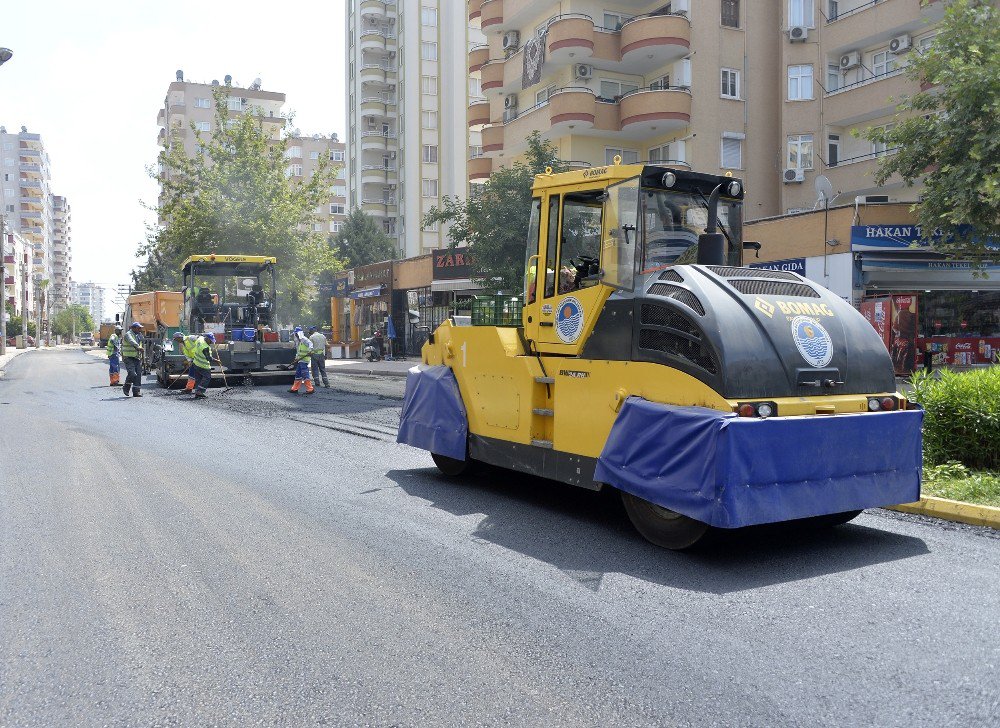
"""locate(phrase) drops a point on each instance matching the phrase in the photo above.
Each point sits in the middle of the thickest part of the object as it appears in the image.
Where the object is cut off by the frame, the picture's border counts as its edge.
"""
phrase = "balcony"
(478, 55)
(856, 174)
(31, 169)
(377, 173)
(655, 111)
(650, 41)
(475, 9)
(378, 75)
(862, 23)
(377, 40)
(377, 106)
(479, 169)
(379, 207)
(491, 13)
(27, 153)
(867, 99)
(378, 142)
(572, 110)
(374, 9)
(493, 138)
(570, 38)
(492, 73)
(479, 113)
(32, 203)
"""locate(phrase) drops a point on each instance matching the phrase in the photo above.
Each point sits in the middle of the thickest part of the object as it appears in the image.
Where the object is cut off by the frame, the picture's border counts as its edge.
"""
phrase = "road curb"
(11, 355)
(366, 372)
(952, 510)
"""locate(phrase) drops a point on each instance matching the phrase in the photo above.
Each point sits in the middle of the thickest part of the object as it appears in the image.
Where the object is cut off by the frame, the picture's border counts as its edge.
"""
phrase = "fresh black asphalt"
(261, 559)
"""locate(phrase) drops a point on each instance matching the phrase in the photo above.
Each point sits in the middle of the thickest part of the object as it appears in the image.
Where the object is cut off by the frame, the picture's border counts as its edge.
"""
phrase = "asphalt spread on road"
(258, 558)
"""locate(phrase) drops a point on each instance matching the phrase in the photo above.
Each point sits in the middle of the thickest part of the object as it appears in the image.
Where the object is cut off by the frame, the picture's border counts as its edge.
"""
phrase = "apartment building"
(408, 142)
(770, 92)
(91, 297)
(843, 64)
(18, 284)
(62, 253)
(26, 196)
(190, 103)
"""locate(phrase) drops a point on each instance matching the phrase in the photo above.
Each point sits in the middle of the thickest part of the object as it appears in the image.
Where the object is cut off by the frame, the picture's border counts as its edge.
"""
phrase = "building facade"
(769, 92)
(90, 296)
(62, 253)
(18, 283)
(190, 103)
(29, 205)
(408, 140)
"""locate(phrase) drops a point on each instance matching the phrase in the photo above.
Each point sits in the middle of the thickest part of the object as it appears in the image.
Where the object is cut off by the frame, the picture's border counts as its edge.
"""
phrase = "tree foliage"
(494, 222)
(72, 319)
(234, 196)
(361, 241)
(947, 134)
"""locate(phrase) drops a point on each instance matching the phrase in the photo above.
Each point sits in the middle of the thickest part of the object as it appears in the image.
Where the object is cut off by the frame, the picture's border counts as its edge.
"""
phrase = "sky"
(91, 76)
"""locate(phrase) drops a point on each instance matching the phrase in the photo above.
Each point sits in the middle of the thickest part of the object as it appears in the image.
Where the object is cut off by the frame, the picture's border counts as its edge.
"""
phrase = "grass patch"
(955, 481)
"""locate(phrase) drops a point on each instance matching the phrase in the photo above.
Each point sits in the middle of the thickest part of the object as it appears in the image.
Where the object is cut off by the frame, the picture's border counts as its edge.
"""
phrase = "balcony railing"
(376, 133)
(378, 168)
(863, 157)
(390, 201)
(866, 81)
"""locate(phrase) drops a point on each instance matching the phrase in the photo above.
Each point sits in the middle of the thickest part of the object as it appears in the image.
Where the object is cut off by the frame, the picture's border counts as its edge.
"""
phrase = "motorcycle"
(370, 350)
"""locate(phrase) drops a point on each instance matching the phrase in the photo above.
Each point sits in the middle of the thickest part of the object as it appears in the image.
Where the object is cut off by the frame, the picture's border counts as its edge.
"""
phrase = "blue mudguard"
(433, 416)
(731, 471)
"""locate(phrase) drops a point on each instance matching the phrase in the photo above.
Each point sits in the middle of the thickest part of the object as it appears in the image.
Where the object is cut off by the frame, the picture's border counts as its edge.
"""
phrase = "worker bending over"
(132, 355)
(303, 355)
(318, 342)
(115, 355)
(201, 363)
(186, 345)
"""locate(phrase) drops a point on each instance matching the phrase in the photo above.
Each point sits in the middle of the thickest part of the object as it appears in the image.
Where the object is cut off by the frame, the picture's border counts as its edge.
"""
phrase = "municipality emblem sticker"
(812, 341)
(569, 319)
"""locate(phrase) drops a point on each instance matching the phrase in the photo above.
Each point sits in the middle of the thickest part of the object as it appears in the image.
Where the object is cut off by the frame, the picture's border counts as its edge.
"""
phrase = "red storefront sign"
(960, 351)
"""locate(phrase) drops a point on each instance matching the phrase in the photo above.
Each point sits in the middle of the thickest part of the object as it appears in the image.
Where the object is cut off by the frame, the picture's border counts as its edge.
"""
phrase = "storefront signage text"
(792, 265)
(452, 264)
(898, 237)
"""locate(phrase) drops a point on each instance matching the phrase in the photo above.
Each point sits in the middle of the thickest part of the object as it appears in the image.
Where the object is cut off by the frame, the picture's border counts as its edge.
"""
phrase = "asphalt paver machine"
(648, 359)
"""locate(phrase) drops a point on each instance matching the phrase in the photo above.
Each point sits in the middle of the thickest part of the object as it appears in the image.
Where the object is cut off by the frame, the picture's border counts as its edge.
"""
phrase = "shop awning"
(904, 273)
(372, 292)
(458, 284)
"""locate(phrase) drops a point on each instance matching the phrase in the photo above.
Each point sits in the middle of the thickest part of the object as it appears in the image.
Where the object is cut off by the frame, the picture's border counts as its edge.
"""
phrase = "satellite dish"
(824, 189)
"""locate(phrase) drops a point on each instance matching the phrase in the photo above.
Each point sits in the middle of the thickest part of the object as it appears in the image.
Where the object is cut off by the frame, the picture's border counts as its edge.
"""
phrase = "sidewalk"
(11, 353)
(376, 369)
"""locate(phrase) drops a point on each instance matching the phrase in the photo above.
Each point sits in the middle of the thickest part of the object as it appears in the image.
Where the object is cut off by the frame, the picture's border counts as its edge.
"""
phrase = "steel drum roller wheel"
(661, 526)
(835, 519)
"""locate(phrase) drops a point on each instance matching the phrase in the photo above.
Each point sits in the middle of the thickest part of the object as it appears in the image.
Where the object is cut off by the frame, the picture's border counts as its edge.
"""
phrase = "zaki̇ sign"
(452, 264)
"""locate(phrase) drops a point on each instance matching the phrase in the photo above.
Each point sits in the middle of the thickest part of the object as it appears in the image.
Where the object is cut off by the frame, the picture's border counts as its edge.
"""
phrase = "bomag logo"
(795, 308)
(764, 307)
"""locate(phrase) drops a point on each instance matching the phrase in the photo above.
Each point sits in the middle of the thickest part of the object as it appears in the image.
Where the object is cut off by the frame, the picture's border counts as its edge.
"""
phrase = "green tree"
(72, 319)
(494, 221)
(361, 241)
(235, 195)
(947, 134)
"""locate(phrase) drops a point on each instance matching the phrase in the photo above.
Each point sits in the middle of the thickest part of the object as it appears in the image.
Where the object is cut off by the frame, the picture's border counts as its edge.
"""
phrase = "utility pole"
(5, 55)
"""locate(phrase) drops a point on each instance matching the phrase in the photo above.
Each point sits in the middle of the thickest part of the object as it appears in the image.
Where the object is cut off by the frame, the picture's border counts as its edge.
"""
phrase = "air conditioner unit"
(390, 187)
(392, 155)
(392, 54)
(798, 33)
(509, 115)
(510, 101)
(582, 71)
(793, 175)
(511, 40)
(392, 87)
(850, 60)
(900, 44)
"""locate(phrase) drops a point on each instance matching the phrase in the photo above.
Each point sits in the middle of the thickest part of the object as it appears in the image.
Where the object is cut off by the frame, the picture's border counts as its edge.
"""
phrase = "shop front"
(411, 285)
(371, 299)
(453, 285)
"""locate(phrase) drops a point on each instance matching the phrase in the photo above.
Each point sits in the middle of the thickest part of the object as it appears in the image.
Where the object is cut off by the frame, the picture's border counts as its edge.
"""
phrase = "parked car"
(86, 338)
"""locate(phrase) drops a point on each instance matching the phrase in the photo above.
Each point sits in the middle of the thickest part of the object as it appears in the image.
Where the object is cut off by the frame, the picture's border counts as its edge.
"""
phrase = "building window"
(200, 103)
(336, 225)
(611, 90)
(318, 227)
(883, 62)
(313, 155)
(475, 151)
(337, 209)
(629, 156)
(731, 13)
(732, 150)
(235, 103)
(730, 83)
(430, 153)
(800, 12)
(832, 150)
(800, 83)
(337, 155)
(832, 78)
(429, 85)
(475, 87)
(294, 170)
(880, 148)
(800, 151)
(672, 152)
(203, 126)
(429, 17)
(615, 21)
(294, 152)
(429, 119)
(663, 82)
(543, 95)
(428, 51)
(428, 188)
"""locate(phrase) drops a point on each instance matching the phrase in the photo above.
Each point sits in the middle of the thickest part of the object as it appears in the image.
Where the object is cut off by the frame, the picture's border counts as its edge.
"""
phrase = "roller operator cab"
(649, 360)
(234, 297)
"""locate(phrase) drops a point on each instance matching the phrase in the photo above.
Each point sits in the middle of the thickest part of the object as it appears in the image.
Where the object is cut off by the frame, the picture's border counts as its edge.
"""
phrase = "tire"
(450, 466)
(661, 526)
(834, 519)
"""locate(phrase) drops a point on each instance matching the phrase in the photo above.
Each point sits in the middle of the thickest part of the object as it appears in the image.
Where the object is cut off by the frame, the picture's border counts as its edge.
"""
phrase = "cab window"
(621, 239)
(580, 240)
(533, 248)
(552, 242)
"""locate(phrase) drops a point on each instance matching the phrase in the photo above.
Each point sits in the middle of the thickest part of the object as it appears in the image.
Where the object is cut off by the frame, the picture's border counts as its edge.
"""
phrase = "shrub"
(961, 417)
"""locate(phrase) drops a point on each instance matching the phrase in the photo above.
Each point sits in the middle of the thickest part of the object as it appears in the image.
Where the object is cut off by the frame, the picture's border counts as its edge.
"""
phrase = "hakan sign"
(452, 264)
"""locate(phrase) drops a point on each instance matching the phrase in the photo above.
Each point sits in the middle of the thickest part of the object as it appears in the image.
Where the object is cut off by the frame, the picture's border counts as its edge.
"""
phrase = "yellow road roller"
(646, 358)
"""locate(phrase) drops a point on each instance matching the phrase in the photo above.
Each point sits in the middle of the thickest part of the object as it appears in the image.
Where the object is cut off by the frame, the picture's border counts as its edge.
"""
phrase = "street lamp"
(5, 55)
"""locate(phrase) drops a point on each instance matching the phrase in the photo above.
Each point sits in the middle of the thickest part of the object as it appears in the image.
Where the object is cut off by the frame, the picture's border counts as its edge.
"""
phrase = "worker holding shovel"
(303, 355)
(201, 363)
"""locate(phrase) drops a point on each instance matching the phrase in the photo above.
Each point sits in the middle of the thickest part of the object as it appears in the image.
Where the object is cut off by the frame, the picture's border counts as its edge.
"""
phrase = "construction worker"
(132, 356)
(185, 345)
(318, 342)
(115, 355)
(201, 363)
(303, 355)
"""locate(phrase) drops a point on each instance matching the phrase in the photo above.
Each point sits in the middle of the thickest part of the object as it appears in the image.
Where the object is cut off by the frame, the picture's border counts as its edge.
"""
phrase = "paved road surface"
(249, 561)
